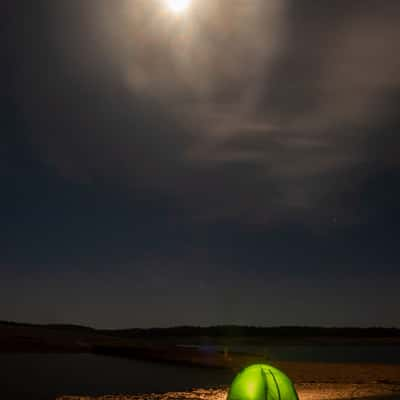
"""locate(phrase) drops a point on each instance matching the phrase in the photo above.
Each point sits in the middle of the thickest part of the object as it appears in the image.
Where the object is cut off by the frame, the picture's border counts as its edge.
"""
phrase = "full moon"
(178, 6)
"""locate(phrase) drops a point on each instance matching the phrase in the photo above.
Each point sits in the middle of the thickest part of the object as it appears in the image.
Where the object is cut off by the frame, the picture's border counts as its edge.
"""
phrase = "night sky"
(238, 163)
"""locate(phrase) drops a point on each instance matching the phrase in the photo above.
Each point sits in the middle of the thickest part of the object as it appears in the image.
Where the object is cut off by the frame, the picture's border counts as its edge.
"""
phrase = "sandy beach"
(306, 391)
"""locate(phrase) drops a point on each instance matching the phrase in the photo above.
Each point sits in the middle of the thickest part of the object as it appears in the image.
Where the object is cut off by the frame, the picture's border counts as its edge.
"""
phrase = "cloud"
(256, 111)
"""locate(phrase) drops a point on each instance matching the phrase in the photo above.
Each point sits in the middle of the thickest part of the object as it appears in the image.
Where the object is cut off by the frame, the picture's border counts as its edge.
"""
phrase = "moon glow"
(177, 6)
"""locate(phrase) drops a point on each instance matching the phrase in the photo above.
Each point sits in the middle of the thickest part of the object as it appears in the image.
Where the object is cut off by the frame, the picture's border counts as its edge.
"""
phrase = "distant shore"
(25, 338)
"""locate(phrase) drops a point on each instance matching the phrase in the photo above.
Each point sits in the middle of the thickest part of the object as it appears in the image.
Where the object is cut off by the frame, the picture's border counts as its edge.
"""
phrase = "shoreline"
(299, 371)
(313, 381)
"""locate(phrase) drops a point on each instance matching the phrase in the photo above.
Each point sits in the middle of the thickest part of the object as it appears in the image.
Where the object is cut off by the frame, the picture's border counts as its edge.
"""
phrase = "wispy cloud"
(269, 109)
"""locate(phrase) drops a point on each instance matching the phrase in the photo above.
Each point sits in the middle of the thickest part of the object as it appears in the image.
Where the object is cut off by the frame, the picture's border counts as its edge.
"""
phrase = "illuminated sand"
(312, 391)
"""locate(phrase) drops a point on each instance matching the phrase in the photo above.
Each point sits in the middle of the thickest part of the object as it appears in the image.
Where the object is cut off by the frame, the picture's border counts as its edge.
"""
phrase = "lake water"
(46, 376)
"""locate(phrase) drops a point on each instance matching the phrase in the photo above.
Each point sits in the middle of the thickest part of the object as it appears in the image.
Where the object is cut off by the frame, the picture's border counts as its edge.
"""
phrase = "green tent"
(262, 382)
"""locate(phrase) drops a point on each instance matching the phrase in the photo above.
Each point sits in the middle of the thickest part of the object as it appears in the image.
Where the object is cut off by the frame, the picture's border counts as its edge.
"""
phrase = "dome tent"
(262, 382)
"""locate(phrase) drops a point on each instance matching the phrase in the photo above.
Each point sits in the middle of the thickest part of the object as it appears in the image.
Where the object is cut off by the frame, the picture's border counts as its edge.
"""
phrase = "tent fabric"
(262, 382)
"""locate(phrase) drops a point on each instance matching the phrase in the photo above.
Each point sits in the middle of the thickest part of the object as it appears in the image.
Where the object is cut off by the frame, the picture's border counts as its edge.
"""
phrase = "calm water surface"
(44, 377)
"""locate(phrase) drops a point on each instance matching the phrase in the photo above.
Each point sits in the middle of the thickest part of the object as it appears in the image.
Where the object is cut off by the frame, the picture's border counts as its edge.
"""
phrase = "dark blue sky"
(228, 166)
